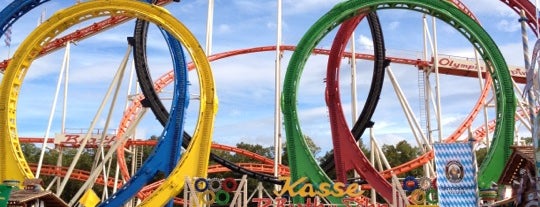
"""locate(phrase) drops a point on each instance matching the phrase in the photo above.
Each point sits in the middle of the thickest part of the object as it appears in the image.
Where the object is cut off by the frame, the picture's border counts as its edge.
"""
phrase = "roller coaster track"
(347, 154)
(161, 113)
(478, 134)
(413, 62)
(528, 8)
(444, 11)
(516, 5)
(215, 146)
(10, 14)
(167, 78)
(332, 94)
(81, 175)
(467, 122)
(16, 71)
(265, 167)
(16, 9)
(339, 126)
(166, 154)
(75, 36)
(517, 77)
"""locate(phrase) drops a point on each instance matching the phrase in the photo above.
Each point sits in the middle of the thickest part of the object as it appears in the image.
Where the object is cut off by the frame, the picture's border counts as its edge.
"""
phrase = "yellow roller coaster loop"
(194, 163)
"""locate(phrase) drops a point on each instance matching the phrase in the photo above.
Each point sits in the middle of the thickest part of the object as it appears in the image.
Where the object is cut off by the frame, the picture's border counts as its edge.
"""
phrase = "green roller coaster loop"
(302, 162)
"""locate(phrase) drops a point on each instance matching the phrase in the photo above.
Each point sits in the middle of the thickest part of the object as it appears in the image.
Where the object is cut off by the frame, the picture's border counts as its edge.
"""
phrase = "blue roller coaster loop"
(167, 153)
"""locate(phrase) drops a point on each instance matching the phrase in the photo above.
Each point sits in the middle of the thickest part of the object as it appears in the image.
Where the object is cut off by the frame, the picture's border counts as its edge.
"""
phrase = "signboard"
(76, 139)
(465, 65)
(456, 175)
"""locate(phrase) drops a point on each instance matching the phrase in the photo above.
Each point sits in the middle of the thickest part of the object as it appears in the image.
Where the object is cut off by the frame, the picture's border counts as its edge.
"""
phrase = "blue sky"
(245, 84)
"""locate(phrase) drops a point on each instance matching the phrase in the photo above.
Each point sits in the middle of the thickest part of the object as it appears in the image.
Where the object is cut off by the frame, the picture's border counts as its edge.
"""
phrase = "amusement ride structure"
(178, 154)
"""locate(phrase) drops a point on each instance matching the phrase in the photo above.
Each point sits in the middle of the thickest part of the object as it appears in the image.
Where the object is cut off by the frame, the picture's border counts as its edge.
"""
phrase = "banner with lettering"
(456, 175)
(76, 139)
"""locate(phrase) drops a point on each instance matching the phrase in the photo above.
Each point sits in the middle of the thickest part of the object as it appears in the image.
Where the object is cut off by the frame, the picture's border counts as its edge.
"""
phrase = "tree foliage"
(400, 153)
(313, 148)
(32, 153)
(238, 158)
(481, 155)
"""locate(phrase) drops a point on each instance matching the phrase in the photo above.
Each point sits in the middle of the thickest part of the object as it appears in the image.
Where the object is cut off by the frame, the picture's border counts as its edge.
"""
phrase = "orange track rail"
(82, 175)
(153, 143)
(418, 63)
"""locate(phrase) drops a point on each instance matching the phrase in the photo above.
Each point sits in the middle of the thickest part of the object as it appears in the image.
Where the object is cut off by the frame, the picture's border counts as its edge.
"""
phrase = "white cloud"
(304, 6)
(271, 25)
(506, 26)
(488, 7)
(224, 28)
(254, 7)
(365, 42)
(393, 25)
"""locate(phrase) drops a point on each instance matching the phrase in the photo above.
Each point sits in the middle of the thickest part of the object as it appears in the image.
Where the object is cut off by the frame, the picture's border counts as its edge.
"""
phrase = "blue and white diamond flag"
(456, 175)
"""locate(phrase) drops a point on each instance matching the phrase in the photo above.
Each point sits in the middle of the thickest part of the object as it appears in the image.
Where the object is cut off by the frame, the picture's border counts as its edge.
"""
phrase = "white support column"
(93, 176)
(484, 105)
(209, 27)
(437, 83)
(354, 104)
(372, 160)
(277, 98)
(91, 127)
(398, 190)
(53, 109)
(116, 175)
(426, 88)
(413, 122)
(66, 84)
(100, 151)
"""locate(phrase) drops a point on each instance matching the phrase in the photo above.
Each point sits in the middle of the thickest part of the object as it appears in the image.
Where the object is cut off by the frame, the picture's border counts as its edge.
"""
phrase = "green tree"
(32, 153)
(313, 148)
(400, 153)
(329, 155)
(481, 155)
(254, 148)
(528, 140)
(237, 158)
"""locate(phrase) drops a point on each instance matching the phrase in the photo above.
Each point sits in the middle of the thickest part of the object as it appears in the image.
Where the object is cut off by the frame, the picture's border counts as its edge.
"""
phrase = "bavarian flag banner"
(456, 174)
